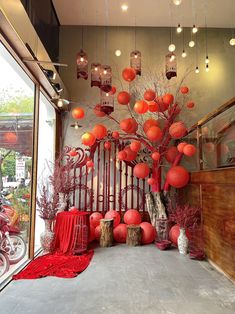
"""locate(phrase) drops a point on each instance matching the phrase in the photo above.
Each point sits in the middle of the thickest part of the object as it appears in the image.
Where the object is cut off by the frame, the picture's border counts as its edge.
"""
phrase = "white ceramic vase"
(183, 242)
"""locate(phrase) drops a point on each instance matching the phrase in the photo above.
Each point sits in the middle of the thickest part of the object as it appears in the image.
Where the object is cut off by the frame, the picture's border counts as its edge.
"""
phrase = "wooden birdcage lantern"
(135, 61)
(171, 65)
(82, 65)
(106, 102)
(95, 74)
(106, 78)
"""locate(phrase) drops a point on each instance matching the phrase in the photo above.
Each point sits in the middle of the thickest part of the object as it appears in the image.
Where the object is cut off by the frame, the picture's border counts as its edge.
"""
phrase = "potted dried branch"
(187, 217)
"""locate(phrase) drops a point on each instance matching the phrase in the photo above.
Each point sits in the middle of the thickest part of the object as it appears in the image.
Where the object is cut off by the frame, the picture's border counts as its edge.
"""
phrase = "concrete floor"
(140, 280)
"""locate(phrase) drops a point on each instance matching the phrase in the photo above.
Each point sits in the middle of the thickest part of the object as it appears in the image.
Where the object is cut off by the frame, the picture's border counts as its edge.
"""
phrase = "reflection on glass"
(191, 163)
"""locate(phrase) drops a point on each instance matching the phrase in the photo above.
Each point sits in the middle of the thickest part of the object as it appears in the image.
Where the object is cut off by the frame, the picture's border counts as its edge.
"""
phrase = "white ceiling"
(219, 13)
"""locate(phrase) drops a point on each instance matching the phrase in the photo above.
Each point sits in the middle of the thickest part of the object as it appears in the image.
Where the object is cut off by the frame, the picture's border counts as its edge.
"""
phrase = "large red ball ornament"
(149, 95)
(78, 113)
(122, 155)
(135, 146)
(88, 139)
(113, 214)
(151, 181)
(141, 107)
(128, 74)
(130, 154)
(90, 164)
(120, 233)
(189, 150)
(95, 219)
(177, 176)
(148, 233)
(161, 106)
(123, 98)
(98, 112)
(190, 104)
(91, 234)
(174, 234)
(154, 134)
(184, 90)
(152, 106)
(115, 135)
(107, 145)
(171, 154)
(132, 217)
(168, 99)
(141, 170)
(149, 123)
(129, 125)
(155, 156)
(181, 146)
(10, 137)
(99, 131)
(177, 130)
(97, 233)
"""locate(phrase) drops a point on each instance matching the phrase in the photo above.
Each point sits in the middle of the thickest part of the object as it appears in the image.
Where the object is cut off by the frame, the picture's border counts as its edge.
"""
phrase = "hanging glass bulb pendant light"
(105, 78)
(106, 102)
(82, 65)
(171, 65)
(95, 74)
(135, 61)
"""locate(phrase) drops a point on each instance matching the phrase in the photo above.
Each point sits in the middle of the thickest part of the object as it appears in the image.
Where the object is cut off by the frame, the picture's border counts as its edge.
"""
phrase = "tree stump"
(106, 232)
(133, 235)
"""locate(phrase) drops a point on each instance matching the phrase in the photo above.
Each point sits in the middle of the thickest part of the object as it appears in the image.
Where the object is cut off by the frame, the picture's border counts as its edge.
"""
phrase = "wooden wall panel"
(214, 191)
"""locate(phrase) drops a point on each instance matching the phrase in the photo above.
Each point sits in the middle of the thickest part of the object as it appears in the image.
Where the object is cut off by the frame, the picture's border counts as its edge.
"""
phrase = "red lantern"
(10, 137)
(73, 153)
(155, 156)
(122, 155)
(151, 181)
(148, 233)
(132, 217)
(129, 125)
(95, 219)
(130, 154)
(171, 154)
(128, 74)
(168, 99)
(107, 145)
(113, 214)
(152, 106)
(161, 106)
(120, 233)
(88, 139)
(90, 164)
(184, 90)
(123, 98)
(135, 146)
(149, 123)
(180, 146)
(78, 113)
(141, 170)
(98, 112)
(177, 176)
(115, 135)
(177, 130)
(189, 150)
(154, 134)
(149, 95)
(141, 107)
(190, 104)
(99, 131)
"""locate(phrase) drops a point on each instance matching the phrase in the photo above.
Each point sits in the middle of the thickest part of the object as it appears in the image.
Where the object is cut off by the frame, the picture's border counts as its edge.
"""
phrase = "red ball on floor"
(120, 233)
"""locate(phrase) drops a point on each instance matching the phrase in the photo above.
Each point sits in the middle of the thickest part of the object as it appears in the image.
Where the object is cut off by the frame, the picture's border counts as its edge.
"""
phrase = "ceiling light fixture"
(124, 7)
(179, 29)
(207, 68)
(118, 53)
(191, 43)
(177, 2)
(171, 47)
(232, 41)
(197, 70)
(184, 54)
(195, 29)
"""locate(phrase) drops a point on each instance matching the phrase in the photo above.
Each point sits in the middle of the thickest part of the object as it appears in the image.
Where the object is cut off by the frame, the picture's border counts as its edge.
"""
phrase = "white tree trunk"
(155, 207)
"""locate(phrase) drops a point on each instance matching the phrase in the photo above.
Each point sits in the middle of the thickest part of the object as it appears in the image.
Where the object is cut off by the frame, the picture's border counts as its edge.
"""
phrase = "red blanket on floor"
(66, 266)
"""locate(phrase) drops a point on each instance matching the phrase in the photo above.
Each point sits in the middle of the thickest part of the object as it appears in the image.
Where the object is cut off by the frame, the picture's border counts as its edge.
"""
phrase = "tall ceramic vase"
(183, 242)
(47, 237)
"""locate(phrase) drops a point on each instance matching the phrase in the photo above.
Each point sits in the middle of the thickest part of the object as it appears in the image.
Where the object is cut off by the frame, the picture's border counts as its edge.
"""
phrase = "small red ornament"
(115, 135)
(149, 123)
(88, 139)
(98, 112)
(155, 156)
(120, 233)
(129, 125)
(177, 130)
(177, 176)
(149, 95)
(10, 137)
(123, 98)
(122, 155)
(168, 99)
(153, 106)
(95, 219)
(78, 113)
(130, 154)
(73, 153)
(113, 90)
(154, 134)
(113, 214)
(99, 131)
(148, 233)
(190, 104)
(128, 74)
(180, 146)
(161, 106)
(171, 154)
(141, 170)
(141, 107)
(184, 90)
(135, 146)
(107, 145)
(132, 217)
(189, 150)
(151, 181)
(90, 164)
